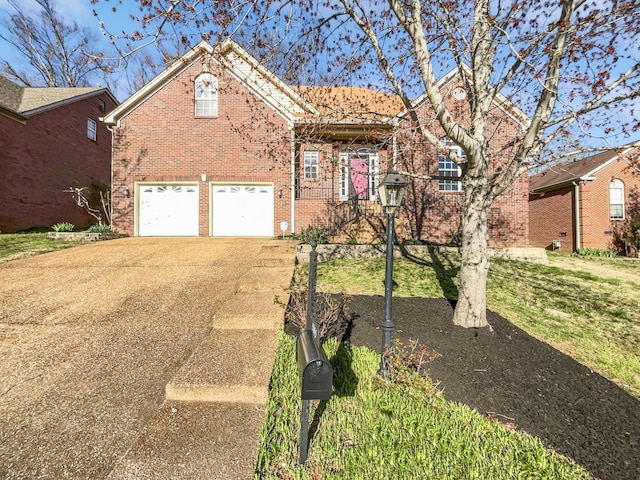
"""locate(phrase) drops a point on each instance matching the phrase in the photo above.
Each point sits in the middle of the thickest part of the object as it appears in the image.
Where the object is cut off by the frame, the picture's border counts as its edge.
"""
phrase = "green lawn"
(408, 430)
(18, 245)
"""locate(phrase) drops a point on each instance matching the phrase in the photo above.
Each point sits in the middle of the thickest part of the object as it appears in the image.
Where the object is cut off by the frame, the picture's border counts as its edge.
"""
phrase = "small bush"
(100, 228)
(314, 234)
(407, 363)
(331, 310)
(595, 252)
(63, 227)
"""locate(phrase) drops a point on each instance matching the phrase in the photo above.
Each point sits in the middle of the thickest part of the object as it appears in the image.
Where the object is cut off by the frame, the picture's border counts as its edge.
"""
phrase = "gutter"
(576, 208)
(293, 181)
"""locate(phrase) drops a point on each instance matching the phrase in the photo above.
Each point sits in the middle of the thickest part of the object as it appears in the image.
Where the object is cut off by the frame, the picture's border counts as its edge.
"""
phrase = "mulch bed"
(514, 378)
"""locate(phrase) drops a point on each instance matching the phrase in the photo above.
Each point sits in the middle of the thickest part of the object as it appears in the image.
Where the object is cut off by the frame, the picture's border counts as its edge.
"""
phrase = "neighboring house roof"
(566, 173)
(22, 102)
(240, 64)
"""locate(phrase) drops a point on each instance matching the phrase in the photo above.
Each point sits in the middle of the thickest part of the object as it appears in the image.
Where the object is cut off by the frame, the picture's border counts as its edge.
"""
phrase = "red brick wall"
(551, 218)
(319, 203)
(435, 216)
(597, 226)
(552, 213)
(46, 155)
(161, 140)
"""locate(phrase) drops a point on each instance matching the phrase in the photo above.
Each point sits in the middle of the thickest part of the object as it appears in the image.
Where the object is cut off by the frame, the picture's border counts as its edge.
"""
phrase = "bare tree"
(56, 54)
(571, 65)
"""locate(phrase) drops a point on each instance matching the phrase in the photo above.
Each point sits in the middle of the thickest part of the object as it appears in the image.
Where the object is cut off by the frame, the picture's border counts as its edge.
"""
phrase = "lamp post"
(391, 191)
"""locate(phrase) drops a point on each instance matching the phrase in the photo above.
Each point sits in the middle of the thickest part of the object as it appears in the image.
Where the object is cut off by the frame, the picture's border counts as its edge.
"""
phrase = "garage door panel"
(242, 210)
(168, 210)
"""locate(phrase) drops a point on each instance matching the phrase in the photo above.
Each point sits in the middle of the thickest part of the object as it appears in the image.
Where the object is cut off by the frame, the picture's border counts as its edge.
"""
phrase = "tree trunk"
(471, 309)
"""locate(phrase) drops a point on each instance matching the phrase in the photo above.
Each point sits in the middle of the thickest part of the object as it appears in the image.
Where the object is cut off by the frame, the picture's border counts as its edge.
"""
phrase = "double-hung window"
(92, 129)
(449, 168)
(206, 93)
(311, 165)
(616, 200)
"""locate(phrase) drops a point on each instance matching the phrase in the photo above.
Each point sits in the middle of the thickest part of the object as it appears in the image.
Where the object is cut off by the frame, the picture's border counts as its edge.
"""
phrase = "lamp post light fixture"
(391, 191)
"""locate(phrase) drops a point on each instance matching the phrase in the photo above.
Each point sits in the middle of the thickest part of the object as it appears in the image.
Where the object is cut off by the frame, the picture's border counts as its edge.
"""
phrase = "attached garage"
(242, 210)
(168, 210)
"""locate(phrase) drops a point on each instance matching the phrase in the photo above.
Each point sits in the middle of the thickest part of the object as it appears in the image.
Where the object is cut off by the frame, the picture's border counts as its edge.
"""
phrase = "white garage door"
(242, 210)
(168, 210)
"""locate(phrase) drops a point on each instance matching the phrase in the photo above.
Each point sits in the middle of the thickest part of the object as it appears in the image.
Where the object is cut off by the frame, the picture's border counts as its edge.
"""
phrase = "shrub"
(595, 252)
(100, 228)
(331, 310)
(407, 363)
(314, 234)
(63, 227)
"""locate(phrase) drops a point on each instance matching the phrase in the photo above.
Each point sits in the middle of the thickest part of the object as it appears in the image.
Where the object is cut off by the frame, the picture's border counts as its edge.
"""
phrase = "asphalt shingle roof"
(22, 100)
(566, 172)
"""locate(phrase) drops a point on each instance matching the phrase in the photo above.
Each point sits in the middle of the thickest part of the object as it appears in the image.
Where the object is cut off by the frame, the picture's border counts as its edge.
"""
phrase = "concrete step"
(248, 310)
(277, 254)
(231, 365)
(195, 441)
(273, 279)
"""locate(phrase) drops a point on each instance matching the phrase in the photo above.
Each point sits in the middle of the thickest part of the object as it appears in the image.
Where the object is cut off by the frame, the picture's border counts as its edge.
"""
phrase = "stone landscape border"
(83, 236)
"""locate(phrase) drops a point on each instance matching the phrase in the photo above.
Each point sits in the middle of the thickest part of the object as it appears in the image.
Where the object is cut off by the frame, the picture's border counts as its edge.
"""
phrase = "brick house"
(51, 139)
(217, 145)
(580, 204)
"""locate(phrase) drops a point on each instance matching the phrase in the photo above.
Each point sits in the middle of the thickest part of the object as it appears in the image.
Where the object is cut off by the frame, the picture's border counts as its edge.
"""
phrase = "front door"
(359, 167)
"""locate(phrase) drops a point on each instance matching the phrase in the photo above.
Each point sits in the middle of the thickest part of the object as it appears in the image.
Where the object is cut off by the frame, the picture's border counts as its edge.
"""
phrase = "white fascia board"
(500, 100)
(263, 83)
(131, 103)
(609, 162)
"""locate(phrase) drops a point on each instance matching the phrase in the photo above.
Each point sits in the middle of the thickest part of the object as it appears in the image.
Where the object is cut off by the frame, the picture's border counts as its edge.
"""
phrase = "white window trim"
(92, 129)
(311, 162)
(454, 185)
(373, 173)
(616, 188)
(205, 95)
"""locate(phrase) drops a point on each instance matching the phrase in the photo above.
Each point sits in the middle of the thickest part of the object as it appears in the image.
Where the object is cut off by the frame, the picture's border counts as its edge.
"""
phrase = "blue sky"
(81, 11)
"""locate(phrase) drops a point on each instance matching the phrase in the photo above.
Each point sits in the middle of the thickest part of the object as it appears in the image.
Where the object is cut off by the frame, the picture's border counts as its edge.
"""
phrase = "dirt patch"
(516, 379)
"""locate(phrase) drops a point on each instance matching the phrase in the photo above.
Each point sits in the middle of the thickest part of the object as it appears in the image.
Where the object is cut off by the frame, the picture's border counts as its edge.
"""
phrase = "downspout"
(293, 180)
(576, 208)
(394, 161)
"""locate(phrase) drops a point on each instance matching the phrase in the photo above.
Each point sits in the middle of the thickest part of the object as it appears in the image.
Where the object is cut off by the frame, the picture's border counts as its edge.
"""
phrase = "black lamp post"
(391, 191)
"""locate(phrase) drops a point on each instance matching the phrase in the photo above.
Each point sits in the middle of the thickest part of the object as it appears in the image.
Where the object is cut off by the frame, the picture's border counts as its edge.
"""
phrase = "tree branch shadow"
(446, 271)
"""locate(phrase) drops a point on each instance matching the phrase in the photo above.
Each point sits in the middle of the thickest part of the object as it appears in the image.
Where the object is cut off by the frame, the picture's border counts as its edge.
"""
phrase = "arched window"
(206, 91)
(616, 199)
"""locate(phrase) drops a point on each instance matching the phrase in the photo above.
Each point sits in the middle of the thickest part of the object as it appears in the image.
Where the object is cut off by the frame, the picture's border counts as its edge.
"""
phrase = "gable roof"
(246, 69)
(23, 102)
(565, 173)
(502, 102)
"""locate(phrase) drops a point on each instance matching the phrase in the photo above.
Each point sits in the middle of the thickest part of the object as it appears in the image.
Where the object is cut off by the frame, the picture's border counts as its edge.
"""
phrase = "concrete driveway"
(90, 338)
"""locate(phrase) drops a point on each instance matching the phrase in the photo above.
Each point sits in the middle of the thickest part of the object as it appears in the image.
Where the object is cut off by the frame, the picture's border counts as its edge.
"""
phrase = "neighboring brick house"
(217, 145)
(580, 204)
(51, 139)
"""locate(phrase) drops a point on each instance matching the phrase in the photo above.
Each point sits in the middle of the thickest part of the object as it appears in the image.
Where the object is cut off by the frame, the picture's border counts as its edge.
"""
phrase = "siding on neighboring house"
(552, 201)
(47, 151)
